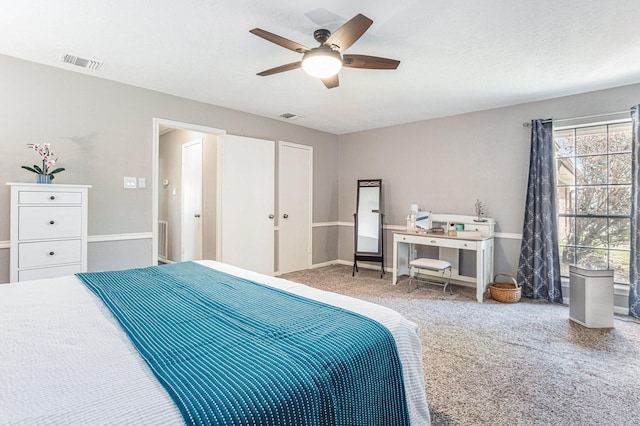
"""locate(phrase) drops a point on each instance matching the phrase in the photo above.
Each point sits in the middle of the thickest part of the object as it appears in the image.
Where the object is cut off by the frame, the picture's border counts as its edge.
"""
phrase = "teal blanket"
(234, 352)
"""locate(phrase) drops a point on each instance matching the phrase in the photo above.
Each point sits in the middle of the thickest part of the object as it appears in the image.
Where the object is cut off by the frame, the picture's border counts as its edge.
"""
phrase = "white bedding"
(65, 360)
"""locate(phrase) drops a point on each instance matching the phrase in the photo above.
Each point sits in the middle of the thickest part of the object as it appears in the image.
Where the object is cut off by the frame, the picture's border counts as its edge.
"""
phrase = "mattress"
(65, 359)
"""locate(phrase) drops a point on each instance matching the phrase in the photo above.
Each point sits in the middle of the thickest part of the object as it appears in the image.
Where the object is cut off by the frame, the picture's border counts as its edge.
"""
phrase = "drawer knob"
(433, 241)
(51, 222)
(51, 253)
(53, 197)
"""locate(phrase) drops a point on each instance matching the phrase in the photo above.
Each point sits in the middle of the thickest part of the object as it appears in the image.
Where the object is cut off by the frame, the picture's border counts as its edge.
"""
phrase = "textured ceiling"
(456, 56)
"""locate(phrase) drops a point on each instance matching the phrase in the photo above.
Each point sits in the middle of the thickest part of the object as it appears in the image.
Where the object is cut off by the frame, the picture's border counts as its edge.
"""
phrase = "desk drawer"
(41, 223)
(49, 253)
(49, 197)
(429, 240)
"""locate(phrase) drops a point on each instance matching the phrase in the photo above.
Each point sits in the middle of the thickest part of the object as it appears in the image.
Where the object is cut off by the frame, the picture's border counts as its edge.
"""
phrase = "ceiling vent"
(289, 116)
(82, 62)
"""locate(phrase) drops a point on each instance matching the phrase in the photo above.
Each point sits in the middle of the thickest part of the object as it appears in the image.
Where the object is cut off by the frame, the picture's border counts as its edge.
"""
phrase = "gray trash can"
(591, 297)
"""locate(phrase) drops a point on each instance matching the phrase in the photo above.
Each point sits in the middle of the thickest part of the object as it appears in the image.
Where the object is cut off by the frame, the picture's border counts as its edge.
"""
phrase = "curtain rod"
(579, 118)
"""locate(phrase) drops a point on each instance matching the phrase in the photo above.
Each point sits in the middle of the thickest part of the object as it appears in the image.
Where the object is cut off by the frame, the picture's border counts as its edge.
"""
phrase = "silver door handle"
(286, 216)
(271, 216)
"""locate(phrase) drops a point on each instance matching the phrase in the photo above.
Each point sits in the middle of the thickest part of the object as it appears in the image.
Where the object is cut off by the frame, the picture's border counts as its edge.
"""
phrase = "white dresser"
(48, 230)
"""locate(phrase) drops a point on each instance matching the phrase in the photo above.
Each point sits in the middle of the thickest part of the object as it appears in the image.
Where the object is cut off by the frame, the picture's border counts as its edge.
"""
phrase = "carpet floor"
(492, 363)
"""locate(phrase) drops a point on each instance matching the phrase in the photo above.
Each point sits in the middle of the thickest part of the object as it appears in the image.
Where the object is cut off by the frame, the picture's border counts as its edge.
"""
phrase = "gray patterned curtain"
(634, 290)
(539, 264)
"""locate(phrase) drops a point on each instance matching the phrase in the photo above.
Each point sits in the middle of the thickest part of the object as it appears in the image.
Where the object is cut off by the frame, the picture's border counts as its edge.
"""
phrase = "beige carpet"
(507, 364)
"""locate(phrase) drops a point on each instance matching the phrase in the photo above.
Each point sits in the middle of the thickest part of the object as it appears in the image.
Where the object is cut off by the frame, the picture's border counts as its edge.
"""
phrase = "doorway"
(167, 189)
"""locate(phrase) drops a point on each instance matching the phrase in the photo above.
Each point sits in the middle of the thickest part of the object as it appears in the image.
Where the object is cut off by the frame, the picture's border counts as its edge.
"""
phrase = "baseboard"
(620, 310)
(323, 264)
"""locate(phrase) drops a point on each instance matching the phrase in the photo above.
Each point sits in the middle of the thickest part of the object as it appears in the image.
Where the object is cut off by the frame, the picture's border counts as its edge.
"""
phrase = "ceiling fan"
(326, 60)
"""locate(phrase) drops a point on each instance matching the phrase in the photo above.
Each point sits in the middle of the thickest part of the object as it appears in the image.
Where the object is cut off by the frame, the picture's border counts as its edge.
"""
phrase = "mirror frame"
(370, 256)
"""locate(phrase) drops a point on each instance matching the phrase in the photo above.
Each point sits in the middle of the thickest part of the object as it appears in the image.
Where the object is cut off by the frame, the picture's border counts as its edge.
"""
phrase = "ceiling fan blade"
(349, 33)
(331, 82)
(280, 41)
(281, 68)
(369, 62)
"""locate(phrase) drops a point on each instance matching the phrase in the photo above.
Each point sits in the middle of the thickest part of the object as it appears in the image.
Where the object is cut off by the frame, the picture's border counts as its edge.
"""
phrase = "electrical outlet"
(130, 182)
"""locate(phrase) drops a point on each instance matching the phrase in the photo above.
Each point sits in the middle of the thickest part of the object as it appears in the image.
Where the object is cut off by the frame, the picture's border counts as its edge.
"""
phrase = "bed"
(67, 359)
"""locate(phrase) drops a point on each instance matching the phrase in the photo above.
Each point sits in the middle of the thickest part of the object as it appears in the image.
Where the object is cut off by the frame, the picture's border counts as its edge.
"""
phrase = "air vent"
(289, 116)
(82, 62)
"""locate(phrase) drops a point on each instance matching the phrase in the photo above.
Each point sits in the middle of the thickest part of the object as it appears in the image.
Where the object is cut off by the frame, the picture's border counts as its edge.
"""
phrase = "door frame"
(309, 150)
(155, 152)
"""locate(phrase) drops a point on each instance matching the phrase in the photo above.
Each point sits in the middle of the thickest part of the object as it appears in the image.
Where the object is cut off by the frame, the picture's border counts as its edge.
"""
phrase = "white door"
(295, 176)
(192, 200)
(246, 203)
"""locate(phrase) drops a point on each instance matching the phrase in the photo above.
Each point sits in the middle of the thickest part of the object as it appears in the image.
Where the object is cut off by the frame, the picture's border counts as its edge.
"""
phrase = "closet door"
(295, 183)
(246, 203)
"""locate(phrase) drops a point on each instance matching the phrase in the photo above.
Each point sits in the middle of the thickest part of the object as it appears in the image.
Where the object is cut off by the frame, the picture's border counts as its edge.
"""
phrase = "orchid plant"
(48, 160)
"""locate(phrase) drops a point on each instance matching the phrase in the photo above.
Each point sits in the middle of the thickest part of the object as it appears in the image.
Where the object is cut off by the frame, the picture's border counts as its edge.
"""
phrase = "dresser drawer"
(51, 272)
(39, 223)
(47, 253)
(485, 230)
(49, 197)
(429, 240)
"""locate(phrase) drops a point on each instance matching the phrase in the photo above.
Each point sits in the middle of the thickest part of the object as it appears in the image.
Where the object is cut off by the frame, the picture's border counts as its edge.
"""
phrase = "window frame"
(571, 194)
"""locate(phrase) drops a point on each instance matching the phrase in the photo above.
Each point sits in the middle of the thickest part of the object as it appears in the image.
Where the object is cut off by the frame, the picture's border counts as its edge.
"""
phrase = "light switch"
(130, 182)
(142, 183)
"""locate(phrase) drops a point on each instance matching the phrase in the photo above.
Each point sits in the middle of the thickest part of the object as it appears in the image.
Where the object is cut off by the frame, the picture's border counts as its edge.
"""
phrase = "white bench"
(431, 265)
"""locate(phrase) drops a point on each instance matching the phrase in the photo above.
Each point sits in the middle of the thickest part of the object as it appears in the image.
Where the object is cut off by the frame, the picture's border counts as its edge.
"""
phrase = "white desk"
(449, 249)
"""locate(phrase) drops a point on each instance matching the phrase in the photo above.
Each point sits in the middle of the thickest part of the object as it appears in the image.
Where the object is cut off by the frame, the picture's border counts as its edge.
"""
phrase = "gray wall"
(103, 130)
(445, 164)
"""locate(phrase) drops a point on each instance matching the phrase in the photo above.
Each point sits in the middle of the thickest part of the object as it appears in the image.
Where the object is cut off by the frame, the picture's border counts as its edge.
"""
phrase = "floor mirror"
(368, 221)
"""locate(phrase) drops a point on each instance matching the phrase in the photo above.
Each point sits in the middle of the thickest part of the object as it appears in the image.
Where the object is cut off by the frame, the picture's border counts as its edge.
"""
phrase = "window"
(593, 172)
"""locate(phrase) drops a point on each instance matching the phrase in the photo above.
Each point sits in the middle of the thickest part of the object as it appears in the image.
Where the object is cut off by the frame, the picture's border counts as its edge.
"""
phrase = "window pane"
(566, 171)
(591, 231)
(564, 142)
(620, 168)
(591, 258)
(619, 261)
(620, 200)
(566, 234)
(591, 170)
(591, 200)
(620, 234)
(566, 200)
(567, 257)
(619, 137)
(591, 140)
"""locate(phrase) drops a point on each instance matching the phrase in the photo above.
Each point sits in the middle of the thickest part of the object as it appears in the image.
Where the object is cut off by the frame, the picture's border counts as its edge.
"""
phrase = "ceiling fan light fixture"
(322, 62)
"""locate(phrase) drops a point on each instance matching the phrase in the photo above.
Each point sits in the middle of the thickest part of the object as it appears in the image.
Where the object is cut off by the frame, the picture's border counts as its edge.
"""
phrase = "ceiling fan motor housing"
(321, 35)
